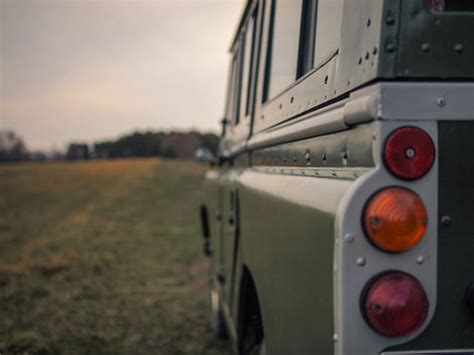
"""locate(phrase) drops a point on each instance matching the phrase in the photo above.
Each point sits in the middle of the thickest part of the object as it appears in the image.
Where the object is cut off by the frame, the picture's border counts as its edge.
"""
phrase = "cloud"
(88, 69)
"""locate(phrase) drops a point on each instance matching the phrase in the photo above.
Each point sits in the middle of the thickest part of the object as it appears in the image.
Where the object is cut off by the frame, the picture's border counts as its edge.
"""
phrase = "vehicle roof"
(243, 14)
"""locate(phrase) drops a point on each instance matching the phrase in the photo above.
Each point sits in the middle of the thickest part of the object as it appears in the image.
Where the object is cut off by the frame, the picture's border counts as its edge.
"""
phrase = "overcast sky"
(93, 69)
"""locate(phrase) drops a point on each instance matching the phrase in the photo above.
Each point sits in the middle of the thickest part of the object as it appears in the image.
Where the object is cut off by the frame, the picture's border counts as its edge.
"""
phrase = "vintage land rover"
(339, 215)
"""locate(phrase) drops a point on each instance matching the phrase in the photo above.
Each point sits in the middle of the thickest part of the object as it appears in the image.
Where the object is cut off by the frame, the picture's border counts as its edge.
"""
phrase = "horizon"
(87, 71)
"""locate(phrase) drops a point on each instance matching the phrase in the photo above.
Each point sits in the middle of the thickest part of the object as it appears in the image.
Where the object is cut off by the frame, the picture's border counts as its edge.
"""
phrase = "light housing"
(395, 219)
(436, 5)
(395, 304)
(409, 153)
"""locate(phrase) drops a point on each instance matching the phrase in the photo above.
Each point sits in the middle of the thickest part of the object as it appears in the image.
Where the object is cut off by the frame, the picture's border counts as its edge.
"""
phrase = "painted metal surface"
(453, 324)
(442, 352)
(287, 243)
(347, 149)
(297, 173)
(352, 333)
(370, 40)
(434, 45)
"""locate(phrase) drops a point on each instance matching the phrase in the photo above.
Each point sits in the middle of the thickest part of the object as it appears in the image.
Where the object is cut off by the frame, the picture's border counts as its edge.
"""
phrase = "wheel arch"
(250, 328)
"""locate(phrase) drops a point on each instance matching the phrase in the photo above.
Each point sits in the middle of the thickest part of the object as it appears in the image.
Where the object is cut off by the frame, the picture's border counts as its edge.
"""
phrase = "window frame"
(306, 45)
(311, 90)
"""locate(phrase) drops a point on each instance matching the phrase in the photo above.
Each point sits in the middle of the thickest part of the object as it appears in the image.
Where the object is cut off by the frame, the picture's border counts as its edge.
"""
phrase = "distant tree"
(12, 147)
(147, 144)
(77, 151)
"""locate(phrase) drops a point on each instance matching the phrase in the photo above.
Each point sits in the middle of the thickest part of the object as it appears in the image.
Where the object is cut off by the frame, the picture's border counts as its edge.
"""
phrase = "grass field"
(103, 257)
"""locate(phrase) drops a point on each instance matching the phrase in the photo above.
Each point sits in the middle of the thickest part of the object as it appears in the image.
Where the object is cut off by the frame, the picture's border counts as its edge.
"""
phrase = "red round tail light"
(437, 5)
(395, 305)
(409, 153)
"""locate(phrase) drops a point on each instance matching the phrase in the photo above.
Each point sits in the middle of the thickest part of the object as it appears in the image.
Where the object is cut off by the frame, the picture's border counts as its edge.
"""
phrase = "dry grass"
(103, 258)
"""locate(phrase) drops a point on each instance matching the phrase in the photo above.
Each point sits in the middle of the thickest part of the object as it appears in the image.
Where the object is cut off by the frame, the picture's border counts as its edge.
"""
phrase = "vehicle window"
(283, 47)
(307, 37)
(248, 63)
(234, 106)
(231, 88)
(328, 32)
(247, 45)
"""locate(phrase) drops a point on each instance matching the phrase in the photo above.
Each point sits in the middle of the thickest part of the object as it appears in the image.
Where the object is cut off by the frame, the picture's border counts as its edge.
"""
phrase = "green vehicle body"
(283, 204)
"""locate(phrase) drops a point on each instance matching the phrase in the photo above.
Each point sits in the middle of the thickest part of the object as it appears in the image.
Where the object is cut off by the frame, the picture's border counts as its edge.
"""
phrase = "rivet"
(344, 155)
(307, 156)
(410, 153)
(361, 261)
(390, 19)
(349, 238)
(390, 47)
(374, 51)
(294, 159)
(441, 101)
(446, 220)
(420, 259)
(324, 157)
(459, 48)
(425, 47)
(335, 337)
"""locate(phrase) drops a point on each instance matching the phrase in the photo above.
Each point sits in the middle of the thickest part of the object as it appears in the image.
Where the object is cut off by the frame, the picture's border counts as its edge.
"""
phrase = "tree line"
(137, 144)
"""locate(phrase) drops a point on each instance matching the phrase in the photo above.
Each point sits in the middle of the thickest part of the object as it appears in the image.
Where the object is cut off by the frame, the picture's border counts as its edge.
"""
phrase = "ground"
(103, 257)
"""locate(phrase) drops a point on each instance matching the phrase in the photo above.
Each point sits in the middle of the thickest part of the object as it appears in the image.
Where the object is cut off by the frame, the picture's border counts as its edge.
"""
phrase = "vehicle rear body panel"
(452, 326)
(289, 221)
(434, 45)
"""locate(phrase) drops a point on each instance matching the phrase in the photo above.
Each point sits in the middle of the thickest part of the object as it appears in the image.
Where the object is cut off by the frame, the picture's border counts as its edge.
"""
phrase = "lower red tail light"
(395, 304)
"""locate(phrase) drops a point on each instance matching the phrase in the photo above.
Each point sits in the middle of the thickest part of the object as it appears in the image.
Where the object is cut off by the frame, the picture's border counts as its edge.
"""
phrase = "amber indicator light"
(395, 304)
(409, 153)
(395, 219)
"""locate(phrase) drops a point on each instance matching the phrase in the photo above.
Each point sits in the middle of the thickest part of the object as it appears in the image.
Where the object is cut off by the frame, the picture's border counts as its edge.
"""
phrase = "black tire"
(257, 349)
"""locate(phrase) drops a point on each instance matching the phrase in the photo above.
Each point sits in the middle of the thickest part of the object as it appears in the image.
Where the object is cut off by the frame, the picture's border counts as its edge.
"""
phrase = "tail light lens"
(395, 219)
(451, 5)
(437, 5)
(409, 153)
(395, 305)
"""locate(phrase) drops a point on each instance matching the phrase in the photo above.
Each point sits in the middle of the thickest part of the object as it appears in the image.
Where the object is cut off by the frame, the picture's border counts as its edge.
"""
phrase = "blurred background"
(103, 105)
